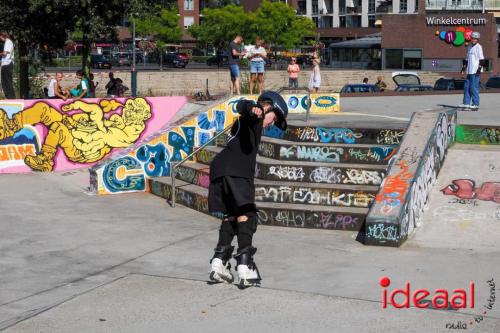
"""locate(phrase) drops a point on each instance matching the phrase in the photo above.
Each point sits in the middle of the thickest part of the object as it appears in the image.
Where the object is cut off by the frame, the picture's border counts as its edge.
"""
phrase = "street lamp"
(133, 74)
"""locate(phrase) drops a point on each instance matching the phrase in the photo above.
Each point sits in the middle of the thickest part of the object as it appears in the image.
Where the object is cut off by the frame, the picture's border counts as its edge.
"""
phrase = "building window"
(342, 21)
(188, 21)
(412, 59)
(403, 6)
(188, 4)
(315, 10)
(393, 58)
(342, 6)
(403, 59)
(416, 6)
(326, 22)
(316, 23)
(371, 21)
(302, 8)
(371, 6)
(353, 21)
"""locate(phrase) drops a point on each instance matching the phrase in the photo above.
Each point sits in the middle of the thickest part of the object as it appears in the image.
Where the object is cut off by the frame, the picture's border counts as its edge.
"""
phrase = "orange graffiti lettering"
(16, 152)
(395, 186)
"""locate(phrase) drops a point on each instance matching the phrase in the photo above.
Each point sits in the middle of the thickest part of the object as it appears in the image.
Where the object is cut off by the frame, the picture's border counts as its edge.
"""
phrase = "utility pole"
(133, 74)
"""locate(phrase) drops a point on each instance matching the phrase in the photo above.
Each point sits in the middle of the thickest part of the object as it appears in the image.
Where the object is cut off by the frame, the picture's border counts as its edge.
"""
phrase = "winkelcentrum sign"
(450, 20)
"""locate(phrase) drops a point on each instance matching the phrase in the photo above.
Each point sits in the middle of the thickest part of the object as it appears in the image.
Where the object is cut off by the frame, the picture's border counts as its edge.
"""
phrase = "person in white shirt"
(257, 56)
(55, 90)
(472, 66)
(7, 66)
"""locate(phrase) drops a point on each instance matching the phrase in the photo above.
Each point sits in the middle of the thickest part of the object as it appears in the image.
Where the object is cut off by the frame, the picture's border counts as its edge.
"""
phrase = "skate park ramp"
(464, 205)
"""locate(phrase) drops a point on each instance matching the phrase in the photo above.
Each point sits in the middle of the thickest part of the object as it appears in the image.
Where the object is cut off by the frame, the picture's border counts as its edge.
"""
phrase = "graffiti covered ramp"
(464, 205)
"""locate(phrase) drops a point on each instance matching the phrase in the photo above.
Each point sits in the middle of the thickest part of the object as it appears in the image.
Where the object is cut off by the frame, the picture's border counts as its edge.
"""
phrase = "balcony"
(492, 4)
(473, 5)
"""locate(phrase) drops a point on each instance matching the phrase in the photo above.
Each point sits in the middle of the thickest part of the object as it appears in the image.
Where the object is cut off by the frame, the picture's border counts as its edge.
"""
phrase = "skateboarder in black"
(232, 190)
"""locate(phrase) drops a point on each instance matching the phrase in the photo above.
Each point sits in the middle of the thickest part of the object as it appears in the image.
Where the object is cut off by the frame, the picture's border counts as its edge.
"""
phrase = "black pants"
(7, 86)
(293, 82)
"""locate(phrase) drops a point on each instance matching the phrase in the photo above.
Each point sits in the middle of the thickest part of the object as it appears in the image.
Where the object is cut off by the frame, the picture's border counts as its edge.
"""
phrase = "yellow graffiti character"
(84, 137)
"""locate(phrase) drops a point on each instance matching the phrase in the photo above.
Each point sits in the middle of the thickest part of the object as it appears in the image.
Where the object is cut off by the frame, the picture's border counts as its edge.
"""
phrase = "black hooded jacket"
(239, 157)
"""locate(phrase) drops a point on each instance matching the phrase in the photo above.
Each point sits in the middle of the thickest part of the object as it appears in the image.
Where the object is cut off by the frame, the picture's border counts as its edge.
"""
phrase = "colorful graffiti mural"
(54, 135)
(466, 189)
(483, 135)
(152, 159)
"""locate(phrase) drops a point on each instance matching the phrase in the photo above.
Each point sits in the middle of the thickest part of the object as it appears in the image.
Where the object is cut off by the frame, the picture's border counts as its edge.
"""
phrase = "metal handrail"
(174, 165)
(309, 102)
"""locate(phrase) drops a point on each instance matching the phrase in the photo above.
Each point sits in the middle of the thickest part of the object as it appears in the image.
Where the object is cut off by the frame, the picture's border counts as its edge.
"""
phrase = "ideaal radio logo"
(440, 299)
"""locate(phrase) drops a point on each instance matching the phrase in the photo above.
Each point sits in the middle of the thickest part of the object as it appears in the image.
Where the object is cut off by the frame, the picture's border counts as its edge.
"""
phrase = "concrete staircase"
(314, 177)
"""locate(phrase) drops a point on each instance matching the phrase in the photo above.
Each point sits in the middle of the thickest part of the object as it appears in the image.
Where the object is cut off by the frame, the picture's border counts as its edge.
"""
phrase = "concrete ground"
(70, 262)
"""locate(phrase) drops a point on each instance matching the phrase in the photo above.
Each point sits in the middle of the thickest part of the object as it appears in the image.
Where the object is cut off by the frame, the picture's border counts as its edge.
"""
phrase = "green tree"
(36, 22)
(163, 25)
(278, 25)
(222, 25)
(33, 23)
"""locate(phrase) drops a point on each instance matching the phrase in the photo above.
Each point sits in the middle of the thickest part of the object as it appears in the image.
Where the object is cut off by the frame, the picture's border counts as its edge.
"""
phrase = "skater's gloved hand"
(257, 111)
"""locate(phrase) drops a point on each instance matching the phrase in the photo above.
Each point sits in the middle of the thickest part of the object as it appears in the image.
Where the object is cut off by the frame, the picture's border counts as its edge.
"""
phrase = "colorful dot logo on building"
(457, 37)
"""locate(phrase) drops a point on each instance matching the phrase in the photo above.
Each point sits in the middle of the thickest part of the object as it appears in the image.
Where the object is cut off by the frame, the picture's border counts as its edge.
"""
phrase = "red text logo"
(440, 298)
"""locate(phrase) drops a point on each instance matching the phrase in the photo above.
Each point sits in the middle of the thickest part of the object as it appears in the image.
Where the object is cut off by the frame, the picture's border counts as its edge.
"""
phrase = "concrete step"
(312, 216)
(314, 172)
(314, 194)
(318, 134)
(270, 213)
(285, 150)
(300, 193)
(292, 171)
(207, 154)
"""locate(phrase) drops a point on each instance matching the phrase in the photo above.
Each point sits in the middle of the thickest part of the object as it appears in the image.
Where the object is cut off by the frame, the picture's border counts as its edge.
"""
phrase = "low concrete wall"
(188, 82)
(400, 202)
(65, 135)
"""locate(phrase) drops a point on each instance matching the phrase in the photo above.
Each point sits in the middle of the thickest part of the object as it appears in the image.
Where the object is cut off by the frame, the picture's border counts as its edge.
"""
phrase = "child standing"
(232, 190)
(315, 78)
(293, 71)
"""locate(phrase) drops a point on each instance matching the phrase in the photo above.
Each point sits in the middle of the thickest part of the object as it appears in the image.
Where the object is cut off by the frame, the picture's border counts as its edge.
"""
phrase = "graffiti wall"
(484, 135)
(55, 135)
(338, 135)
(400, 202)
(330, 154)
(129, 173)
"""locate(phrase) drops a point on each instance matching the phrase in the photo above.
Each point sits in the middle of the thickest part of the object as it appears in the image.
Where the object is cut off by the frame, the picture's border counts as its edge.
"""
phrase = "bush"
(63, 62)
(202, 59)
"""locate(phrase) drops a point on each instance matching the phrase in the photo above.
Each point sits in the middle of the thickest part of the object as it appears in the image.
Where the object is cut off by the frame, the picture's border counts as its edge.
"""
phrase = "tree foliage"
(36, 22)
(163, 25)
(275, 22)
(278, 24)
(223, 24)
(220, 3)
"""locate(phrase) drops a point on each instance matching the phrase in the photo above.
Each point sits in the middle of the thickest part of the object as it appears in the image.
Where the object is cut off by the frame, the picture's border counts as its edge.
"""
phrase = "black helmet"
(279, 107)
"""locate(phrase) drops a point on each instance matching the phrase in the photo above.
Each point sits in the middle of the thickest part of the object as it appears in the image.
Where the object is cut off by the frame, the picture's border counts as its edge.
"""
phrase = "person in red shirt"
(293, 71)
